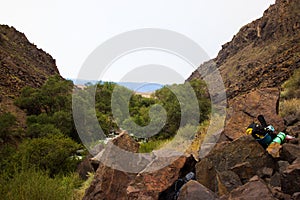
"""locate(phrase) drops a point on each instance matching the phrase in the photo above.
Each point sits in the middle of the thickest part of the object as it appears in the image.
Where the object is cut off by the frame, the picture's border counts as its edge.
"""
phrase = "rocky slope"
(263, 54)
(21, 64)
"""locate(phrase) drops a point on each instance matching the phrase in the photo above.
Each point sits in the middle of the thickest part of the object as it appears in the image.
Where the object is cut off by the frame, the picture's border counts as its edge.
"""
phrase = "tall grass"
(33, 184)
(290, 107)
(147, 147)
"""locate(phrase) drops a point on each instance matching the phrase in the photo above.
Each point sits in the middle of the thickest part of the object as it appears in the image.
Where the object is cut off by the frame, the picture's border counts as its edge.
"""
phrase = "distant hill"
(134, 86)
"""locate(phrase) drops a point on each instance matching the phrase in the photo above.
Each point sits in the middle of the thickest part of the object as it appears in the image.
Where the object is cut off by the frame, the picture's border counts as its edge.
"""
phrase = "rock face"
(263, 53)
(22, 63)
(245, 108)
(258, 59)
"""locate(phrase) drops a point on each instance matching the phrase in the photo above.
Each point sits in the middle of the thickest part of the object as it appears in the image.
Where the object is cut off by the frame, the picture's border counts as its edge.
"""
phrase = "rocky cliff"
(21, 64)
(263, 54)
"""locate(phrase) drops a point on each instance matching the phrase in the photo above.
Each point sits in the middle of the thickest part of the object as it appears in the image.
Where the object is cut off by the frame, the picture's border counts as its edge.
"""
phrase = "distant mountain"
(134, 86)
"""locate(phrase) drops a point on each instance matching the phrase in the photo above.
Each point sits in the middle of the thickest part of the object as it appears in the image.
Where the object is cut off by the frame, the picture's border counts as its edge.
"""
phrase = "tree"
(7, 121)
(51, 153)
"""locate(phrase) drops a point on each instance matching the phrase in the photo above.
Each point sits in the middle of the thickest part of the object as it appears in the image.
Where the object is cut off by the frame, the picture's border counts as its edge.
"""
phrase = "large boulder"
(244, 109)
(110, 182)
(150, 184)
(253, 190)
(290, 179)
(227, 181)
(290, 152)
(193, 190)
(243, 153)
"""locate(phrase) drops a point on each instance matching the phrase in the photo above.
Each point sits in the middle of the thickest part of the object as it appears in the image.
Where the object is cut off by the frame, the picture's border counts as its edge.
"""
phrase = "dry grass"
(290, 107)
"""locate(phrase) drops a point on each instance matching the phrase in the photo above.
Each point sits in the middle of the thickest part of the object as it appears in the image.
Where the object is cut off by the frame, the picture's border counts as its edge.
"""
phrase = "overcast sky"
(71, 29)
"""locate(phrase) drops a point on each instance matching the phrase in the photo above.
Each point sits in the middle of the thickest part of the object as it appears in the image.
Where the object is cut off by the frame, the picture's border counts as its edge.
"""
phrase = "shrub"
(291, 88)
(37, 185)
(7, 121)
(147, 147)
(51, 153)
(290, 107)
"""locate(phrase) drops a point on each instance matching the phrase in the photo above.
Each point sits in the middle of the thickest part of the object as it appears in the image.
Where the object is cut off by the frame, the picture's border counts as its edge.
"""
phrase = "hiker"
(265, 134)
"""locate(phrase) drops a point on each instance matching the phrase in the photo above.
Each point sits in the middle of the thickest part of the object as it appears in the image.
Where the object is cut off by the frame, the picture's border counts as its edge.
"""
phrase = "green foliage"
(182, 107)
(53, 96)
(7, 121)
(49, 108)
(7, 164)
(79, 193)
(37, 185)
(40, 130)
(50, 153)
(147, 147)
(291, 88)
(30, 101)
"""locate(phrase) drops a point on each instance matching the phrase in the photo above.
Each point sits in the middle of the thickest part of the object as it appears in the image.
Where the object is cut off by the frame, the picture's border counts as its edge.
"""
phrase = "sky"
(70, 30)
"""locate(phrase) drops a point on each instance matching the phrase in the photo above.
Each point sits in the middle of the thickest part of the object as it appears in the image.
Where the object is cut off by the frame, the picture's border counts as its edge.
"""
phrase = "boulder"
(227, 181)
(110, 182)
(253, 190)
(278, 194)
(294, 130)
(282, 165)
(296, 196)
(193, 190)
(290, 179)
(275, 180)
(84, 167)
(244, 109)
(290, 152)
(232, 156)
(244, 171)
(149, 183)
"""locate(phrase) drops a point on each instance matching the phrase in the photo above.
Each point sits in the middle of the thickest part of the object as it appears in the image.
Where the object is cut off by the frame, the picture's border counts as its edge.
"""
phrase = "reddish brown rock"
(229, 156)
(245, 108)
(290, 152)
(193, 190)
(110, 182)
(253, 190)
(150, 184)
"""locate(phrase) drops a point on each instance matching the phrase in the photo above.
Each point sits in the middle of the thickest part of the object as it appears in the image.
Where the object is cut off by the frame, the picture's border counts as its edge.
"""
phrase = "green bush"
(37, 185)
(7, 121)
(52, 152)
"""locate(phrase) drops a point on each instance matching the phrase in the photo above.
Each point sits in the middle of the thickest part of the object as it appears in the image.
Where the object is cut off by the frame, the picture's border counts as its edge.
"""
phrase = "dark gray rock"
(290, 179)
